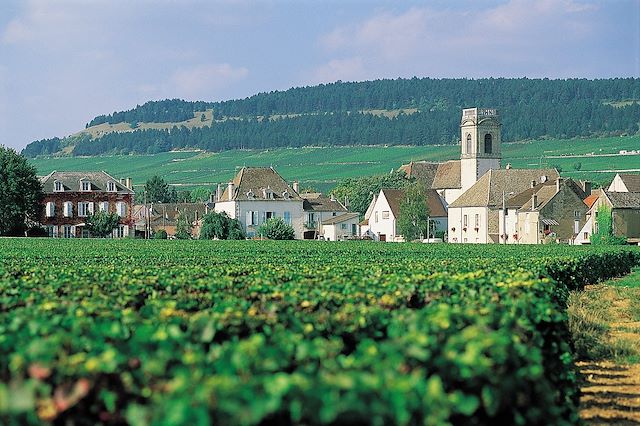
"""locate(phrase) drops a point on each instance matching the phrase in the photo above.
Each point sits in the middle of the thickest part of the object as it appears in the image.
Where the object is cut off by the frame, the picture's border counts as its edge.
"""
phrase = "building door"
(383, 237)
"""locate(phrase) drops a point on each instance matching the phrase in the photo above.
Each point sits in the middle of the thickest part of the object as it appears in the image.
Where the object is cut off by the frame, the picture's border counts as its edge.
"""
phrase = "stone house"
(69, 197)
(550, 211)
(625, 213)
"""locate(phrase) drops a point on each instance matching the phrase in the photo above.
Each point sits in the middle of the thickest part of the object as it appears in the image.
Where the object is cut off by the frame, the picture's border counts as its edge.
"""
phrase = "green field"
(260, 332)
(322, 167)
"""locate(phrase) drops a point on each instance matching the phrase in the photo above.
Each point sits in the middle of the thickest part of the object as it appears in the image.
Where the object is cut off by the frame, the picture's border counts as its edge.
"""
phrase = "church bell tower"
(481, 144)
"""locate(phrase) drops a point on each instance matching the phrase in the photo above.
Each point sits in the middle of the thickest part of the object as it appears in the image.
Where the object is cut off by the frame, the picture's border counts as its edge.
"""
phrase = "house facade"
(151, 218)
(477, 216)
(625, 214)
(342, 227)
(384, 210)
(319, 208)
(257, 194)
(69, 197)
(550, 212)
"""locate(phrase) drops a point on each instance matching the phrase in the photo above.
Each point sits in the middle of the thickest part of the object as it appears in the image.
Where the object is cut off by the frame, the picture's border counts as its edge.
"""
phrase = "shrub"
(160, 234)
(276, 229)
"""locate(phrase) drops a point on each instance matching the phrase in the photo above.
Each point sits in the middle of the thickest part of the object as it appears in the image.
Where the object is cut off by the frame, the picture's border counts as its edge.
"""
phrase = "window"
(120, 231)
(586, 236)
(477, 221)
(68, 209)
(576, 214)
(103, 206)
(85, 208)
(287, 218)
(85, 233)
(51, 209)
(354, 229)
(250, 195)
(57, 186)
(85, 185)
(385, 214)
(487, 143)
(464, 221)
(468, 143)
(51, 231)
(121, 208)
(111, 186)
(68, 231)
(270, 215)
(576, 226)
(343, 226)
(376, 217)
(252, 218)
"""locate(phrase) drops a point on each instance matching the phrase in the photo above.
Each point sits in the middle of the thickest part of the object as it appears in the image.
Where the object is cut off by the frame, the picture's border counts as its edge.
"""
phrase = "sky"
(63, 62)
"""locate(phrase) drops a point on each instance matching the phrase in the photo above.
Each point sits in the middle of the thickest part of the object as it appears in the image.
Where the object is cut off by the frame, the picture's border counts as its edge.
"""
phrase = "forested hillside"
(390, 112)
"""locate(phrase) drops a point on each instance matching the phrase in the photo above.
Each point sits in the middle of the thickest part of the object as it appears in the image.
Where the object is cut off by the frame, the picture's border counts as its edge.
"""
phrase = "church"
(475, 188)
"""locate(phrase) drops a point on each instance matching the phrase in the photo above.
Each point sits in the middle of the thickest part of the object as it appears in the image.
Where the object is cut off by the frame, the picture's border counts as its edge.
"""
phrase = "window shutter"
(91, 207)
(249, 217)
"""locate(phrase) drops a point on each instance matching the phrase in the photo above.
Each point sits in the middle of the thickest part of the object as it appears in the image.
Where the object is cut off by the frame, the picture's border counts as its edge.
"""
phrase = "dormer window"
(111, 186)
(85, 185)
(286, 195)
(250, 195)
(268, 193)
(57, 186)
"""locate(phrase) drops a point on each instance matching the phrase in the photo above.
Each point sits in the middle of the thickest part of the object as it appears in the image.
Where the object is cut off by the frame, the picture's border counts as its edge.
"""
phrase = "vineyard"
(207, 332)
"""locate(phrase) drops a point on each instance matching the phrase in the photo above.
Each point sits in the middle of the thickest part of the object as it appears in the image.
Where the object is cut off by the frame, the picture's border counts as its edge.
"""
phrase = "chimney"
(534, 201)
(296, 186)
(129, 183)
(219, 192)
(533, 183)
(586, 187)
(123, 182)
(230, 188)
(333, 197)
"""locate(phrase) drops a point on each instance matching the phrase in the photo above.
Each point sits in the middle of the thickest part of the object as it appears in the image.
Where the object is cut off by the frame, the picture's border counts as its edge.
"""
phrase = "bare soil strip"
(611, 388)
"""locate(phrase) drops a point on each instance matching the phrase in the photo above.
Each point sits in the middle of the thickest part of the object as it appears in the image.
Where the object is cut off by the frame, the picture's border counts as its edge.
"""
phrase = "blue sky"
(62, 62)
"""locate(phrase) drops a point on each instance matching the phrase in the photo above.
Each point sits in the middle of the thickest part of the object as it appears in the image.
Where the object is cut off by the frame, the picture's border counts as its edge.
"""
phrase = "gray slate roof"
(624, 200)
(341, 218)
(488, 190)
(447, 175)
(257, 180)
(632, 182)
(71, 181)
(316, 202)
(422, 171)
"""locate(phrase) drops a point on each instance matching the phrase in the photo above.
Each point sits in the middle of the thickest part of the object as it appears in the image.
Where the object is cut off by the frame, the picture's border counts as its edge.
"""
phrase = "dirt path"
(611, 389)
(610, 394)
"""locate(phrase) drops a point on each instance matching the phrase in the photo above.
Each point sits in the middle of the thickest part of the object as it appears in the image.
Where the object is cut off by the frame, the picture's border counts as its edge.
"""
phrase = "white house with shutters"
(257, 194)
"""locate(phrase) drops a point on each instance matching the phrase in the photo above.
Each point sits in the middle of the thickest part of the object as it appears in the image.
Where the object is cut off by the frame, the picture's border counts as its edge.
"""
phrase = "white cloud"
(204, 80)
(470, 41)
(349, 69)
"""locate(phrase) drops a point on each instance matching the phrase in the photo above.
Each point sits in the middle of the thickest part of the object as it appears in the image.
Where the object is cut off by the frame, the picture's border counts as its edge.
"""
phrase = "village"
(471, 200)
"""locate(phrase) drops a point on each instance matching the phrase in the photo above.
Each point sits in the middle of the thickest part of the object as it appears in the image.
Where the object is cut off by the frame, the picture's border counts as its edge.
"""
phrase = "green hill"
(322, 167)
(415, 112)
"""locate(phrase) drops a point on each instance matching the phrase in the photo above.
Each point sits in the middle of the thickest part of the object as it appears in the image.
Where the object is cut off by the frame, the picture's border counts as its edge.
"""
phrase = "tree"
(220, 226)
(160, 234)
(200, 194)
(101, 224)
(577, 165)
(604, 234)
(20, 194)
(183, 227)
(276, 229)
(359, 191)
(157, 190)
(413, 221)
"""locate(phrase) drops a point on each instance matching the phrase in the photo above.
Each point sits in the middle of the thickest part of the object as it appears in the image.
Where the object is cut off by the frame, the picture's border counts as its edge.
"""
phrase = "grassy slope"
(322, 167)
